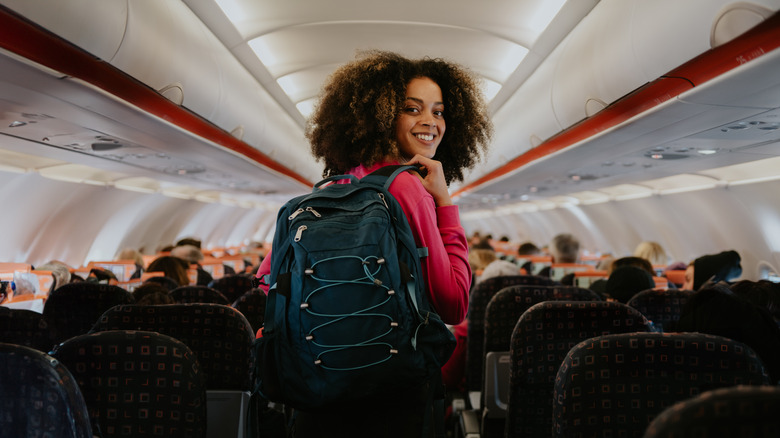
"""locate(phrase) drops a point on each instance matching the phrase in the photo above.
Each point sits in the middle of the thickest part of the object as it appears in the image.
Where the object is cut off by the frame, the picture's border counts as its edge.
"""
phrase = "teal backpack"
(347, 317)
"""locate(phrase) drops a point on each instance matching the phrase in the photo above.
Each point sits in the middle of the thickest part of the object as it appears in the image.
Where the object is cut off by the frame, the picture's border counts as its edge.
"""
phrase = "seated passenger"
(193, 255)
(151, 293)
(763, 293)
(724, 266)
(626, 281)
(136, 257)
(716, 310)
(173, 267)
(59, 270)
(564, 248)
(652, 252)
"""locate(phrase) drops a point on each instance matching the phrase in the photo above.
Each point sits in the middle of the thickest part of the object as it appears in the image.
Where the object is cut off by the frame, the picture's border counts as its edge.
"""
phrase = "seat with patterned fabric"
(73, 308)
(478, 300)
(540, 340)
(137, 383)
(198, 294)
(501, 315)
(25, 327)
(39, 397)
(221, 338)
(219, 335)
(735, 412)
(233, 286)
(661, 307)
(252, 305)
(615, 385)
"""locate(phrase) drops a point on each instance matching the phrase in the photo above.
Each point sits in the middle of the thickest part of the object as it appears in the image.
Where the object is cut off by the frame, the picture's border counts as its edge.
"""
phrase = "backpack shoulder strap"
(389, 173)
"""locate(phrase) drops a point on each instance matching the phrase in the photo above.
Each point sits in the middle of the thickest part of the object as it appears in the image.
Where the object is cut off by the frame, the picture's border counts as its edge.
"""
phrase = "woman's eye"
(439, 113)
(411, 109)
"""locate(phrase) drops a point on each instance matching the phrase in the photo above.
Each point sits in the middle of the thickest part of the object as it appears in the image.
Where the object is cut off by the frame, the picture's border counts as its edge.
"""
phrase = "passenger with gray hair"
(59, 270)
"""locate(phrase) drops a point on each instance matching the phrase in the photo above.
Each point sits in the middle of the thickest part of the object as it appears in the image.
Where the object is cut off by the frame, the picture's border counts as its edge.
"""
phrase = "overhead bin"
(622, 45)
(166, 47)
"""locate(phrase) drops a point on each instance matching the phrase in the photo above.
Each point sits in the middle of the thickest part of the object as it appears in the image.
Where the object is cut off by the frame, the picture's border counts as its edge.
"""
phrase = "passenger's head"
(101, 275)
(480, 258)
(364, 105)
(565, 248)
(190, 253)
(189, 241)
(499, 268)
(636, 262)
(723, 266)
(652, 252)
(626, 281)
(173, 267)
(151, 293)
(528, 248)
(716, 310)
(59, 270)
(131, 254)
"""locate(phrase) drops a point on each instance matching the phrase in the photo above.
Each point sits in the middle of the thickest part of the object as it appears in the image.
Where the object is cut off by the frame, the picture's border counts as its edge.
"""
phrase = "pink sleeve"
(446, 269)
(264, 269)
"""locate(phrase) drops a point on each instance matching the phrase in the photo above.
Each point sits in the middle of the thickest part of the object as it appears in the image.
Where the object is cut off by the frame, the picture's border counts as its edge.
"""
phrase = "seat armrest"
(497, 364)
(469, 424)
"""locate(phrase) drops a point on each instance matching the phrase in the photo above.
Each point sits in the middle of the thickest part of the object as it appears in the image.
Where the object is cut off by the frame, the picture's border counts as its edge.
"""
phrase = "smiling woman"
(132, 124)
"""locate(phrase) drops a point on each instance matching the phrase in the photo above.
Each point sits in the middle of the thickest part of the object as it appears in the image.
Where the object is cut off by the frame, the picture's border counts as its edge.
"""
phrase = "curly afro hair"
(354, 122)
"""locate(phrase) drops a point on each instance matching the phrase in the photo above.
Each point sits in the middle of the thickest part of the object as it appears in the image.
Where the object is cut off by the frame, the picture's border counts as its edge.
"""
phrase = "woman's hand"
(433, 182)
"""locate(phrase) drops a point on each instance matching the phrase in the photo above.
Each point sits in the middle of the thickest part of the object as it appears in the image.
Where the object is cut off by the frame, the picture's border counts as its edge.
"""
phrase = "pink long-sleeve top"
(446, 269)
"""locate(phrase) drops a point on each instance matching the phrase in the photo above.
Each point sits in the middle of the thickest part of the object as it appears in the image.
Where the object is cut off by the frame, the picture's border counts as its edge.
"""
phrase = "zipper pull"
(295, 213)
(299, 233)
(313, 211)
(382, 197)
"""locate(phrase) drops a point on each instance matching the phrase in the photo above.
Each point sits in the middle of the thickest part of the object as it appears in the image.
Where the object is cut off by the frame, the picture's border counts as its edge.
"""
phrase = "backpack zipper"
(301, 210)
(299, 233)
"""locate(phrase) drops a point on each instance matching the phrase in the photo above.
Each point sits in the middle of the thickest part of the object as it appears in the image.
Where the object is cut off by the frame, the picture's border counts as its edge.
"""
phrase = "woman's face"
(688, 284)
(420, 125)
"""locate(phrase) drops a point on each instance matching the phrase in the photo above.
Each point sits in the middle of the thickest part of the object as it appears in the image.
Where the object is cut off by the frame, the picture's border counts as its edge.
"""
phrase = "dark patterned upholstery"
(25, 327)
(39, 397)
(73, 308)
(540, 341)
(478, 300)
(166, 282)
(198, 294)
(233, 286)
(501, 316)
(508, 305)
(252, 306)
(661, 307)
(615, 385)
(736, 412)
(220, 336)
(138, 383)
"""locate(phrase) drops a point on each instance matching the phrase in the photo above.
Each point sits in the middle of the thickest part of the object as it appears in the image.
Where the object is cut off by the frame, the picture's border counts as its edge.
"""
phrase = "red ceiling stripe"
(20, 36)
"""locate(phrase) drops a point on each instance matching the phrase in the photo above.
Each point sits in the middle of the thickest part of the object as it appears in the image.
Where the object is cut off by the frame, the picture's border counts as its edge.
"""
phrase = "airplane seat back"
(73, 308)
(198, 294)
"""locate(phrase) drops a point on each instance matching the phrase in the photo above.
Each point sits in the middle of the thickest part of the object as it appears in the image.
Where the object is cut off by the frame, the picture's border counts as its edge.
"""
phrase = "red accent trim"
(27, 39)
(754, 43)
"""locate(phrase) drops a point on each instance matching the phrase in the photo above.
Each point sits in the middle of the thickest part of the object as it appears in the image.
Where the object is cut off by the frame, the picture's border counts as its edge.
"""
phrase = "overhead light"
(707, 151)
(16, 124)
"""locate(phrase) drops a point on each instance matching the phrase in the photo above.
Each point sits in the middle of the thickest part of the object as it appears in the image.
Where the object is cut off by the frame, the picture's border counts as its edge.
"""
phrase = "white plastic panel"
(165, 44)
(96, 26)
